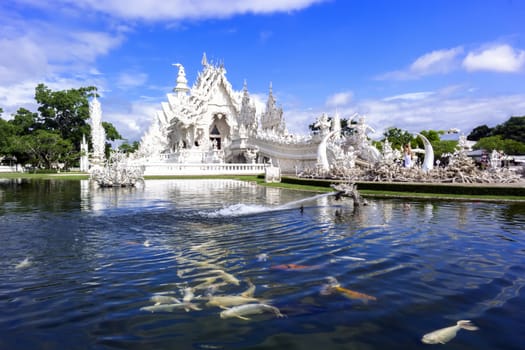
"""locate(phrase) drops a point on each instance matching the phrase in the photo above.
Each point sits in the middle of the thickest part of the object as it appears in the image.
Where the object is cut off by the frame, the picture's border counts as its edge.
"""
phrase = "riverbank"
(468, 192)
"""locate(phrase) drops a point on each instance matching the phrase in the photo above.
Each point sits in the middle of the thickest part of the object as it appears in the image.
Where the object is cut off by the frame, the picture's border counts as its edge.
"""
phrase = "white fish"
(443, 335)
(227, 277)
(188, 295)
(186, 300)
(225, 301)
(23, 264)
(262, 257)
(346, 257)
(163, 307)
(164, 299)
(242, 311)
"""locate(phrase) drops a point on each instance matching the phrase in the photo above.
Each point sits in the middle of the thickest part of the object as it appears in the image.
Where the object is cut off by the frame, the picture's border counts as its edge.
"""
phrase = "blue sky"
(412, 64)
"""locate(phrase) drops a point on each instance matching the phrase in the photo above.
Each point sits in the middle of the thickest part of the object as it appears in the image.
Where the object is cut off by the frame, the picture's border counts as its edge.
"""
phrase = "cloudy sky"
(416, 65)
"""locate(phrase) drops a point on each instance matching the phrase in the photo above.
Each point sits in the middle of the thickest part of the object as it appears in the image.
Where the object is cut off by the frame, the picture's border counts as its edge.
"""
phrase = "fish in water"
(334, 286)
(226, 301)
(227, 277)
(187, 298)
(164, 307)
(443, 335)
(242, 311)
(23, 264)
(287, 267)
(262, 257)
(164, 299)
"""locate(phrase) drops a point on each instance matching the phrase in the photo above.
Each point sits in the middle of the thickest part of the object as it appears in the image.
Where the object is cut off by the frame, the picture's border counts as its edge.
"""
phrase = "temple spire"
(204, 60)
(182, 82)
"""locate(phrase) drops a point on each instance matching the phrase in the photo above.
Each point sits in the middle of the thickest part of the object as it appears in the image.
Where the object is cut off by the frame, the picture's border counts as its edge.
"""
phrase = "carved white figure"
(323, 124)
(428, 162)
(98, 134)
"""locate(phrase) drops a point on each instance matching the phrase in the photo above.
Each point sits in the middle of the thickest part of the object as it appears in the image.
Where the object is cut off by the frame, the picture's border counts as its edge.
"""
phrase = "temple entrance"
(215, 137)
(219, 131)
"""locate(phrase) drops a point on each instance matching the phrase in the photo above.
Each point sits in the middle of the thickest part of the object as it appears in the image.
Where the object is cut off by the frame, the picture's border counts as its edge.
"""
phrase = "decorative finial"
(204, 60)
(182, 82)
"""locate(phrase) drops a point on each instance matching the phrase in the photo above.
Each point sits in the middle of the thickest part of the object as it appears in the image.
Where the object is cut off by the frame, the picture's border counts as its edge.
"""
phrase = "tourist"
(407, 156)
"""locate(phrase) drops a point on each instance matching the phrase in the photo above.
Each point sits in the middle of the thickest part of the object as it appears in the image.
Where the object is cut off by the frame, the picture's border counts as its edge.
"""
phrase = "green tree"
(398, 137)
(66, 111)
(43, 149)
(6, 134)
(24, 122)
(497, 143)
(125, 147)
(479, 132)
(444, 146)
(513, 129)
(111, 135)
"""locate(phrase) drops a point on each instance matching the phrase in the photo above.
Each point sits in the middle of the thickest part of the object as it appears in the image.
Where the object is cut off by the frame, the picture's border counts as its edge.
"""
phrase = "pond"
(82, 268)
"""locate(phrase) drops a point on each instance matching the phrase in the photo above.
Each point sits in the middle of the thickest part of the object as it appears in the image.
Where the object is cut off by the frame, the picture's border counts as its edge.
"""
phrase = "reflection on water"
(80, 264)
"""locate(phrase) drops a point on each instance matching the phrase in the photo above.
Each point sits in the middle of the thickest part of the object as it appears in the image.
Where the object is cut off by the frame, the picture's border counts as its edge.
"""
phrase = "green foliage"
(43, 149)
(497, 143)
(54, 134)
(6, 132)
(24, 122)
(398, 137)
(111, 134)
(125, 147)
(431, 135)
(513, 129)
(444, 146)
(508, 137)
(479, 132)
(65, 111)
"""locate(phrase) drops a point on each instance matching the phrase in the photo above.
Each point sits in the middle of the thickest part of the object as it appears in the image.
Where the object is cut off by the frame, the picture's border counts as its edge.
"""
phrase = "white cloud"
(435, 62)
(410, 96)
(340, 99)
(128, 80)
(501, 58)
(441, 112)
(188, 9)
(133, 123)
(439, 61)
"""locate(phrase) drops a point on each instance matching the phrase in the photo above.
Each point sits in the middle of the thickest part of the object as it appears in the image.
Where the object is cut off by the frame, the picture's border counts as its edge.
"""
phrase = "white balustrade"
(162, 168)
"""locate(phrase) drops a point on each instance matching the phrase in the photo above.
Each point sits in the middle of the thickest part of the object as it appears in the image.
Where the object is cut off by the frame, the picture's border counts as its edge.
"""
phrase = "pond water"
(80, 264)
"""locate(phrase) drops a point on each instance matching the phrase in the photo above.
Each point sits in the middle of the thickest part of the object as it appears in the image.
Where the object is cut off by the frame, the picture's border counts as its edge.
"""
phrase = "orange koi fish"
(334, 286)
(352, 294)
(294, 267)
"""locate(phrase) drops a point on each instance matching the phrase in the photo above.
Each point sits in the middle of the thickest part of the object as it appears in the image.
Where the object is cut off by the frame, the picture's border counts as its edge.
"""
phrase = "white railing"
(203, 169)
(9, 169)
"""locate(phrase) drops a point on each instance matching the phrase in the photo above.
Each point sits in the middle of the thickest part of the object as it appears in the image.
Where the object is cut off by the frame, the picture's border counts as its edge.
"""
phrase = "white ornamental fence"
(152, 169)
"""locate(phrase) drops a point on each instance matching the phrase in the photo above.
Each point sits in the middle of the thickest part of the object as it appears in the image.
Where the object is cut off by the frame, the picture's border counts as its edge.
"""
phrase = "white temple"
(212, 129)
(211, 123)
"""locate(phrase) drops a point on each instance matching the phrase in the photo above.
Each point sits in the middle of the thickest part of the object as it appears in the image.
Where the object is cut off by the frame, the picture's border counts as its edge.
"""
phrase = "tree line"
(52, 135)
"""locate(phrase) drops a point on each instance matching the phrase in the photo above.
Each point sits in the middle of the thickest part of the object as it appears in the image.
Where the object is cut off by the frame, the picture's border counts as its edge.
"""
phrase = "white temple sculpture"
(84, 155)
(98, 134)
(212, 128)
(211, 123)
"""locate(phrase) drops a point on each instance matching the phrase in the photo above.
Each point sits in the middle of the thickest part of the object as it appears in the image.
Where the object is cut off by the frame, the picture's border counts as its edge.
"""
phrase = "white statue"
(98, 134)
(428, 162)
(323, 124)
